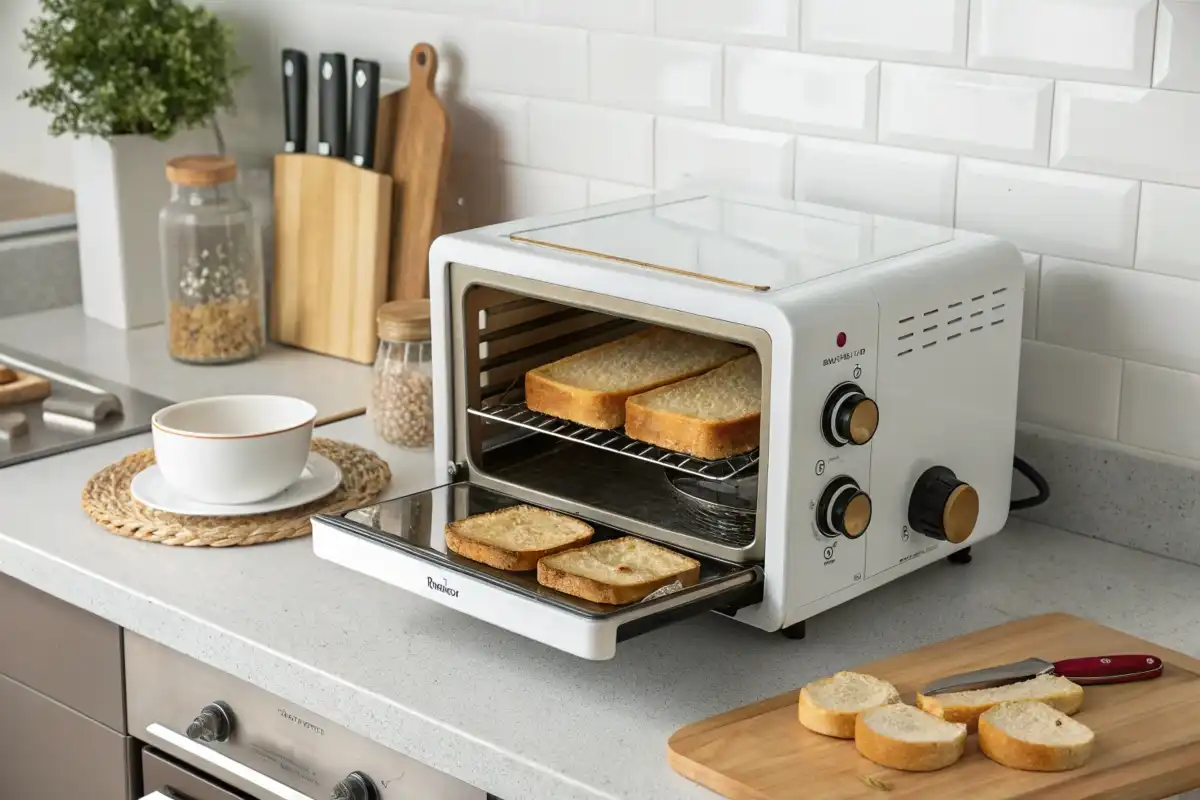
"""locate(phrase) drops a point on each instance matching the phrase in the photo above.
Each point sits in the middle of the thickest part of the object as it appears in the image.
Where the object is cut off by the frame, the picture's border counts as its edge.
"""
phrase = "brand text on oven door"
(441, 587)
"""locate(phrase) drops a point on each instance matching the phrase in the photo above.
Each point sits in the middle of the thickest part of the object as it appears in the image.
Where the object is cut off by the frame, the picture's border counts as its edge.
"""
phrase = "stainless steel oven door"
(165, 779)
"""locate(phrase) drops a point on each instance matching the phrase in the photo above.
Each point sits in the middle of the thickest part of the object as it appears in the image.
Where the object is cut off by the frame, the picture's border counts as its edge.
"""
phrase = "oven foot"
(960, 556)
(794, 631)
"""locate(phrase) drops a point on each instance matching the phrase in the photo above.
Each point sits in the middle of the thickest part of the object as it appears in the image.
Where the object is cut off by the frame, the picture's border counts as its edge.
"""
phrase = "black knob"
(355, 786)
(844, 510)
(850, 417)
(214, 723)
(942, 506)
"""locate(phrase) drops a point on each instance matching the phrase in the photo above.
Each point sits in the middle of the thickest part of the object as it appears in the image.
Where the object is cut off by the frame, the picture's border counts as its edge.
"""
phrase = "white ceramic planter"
(120, 185)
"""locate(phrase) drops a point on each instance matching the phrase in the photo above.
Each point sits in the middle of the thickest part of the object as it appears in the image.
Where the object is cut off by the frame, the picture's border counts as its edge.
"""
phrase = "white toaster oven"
(890, 354)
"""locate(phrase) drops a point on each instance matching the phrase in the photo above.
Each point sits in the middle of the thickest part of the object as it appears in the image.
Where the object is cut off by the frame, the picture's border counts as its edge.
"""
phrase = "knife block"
(332, 242)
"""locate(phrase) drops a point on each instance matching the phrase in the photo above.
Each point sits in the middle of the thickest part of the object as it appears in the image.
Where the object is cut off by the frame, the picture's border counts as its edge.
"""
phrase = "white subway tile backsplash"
(882, 180)
(1033, 279)
(527, 192)
(687, 152)
(1169, 230)
(1177, 46)
(631, 16)
(490, 125)
(1137, 133)
(1120, 312)
(497, 9)
(1110, 40)
(971, 113)
(588, 140)
(1158, 410)
(1069, 389)
(659, 75)
(769, 23)
(607, 191)
(800, 92)
(1050, 211)
(926, 31)
(533, 60)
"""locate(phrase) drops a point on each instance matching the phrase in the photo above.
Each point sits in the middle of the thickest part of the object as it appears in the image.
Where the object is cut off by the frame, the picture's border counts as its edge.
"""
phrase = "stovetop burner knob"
(214, 723)
(355, 786)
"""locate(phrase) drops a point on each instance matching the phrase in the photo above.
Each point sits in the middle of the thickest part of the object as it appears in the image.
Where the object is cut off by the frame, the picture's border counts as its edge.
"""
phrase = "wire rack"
(616, 442)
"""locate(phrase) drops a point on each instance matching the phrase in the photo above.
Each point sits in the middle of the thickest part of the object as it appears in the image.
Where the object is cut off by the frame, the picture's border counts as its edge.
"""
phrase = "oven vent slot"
(966, 315)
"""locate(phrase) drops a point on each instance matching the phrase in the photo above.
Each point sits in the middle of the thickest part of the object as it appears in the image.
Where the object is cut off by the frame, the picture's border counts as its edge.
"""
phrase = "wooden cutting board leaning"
(1147, 733)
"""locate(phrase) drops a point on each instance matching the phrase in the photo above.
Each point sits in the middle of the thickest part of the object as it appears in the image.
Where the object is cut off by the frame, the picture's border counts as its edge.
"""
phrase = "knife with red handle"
(1084, 671)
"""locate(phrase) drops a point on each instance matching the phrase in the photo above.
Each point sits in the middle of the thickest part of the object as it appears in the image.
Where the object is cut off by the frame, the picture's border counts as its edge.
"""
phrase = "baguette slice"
(832, 705)
(903, 737)
(515, 538)
(966, 707)
(1034, 736)
(591, 387)
(714, 415)
(616, 571)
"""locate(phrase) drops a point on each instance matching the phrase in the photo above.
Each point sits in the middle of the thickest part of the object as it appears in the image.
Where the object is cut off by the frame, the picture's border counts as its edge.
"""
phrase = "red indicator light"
(841, 340)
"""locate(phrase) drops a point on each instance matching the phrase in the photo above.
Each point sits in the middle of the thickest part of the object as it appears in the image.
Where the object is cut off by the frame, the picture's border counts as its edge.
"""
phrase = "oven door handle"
(223, 762)
(158, 796)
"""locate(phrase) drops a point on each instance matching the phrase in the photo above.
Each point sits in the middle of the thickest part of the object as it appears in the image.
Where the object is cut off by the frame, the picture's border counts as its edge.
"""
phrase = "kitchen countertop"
(507, 714)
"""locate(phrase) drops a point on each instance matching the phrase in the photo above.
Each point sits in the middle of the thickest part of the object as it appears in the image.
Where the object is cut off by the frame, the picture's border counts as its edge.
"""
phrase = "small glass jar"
(402, 390)
(212, 264)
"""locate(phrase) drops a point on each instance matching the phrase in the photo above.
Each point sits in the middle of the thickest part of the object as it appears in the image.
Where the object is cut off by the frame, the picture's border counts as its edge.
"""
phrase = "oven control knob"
(850, 417)
(214, 723)
(942, 506)
(844, 510)
(355, 786)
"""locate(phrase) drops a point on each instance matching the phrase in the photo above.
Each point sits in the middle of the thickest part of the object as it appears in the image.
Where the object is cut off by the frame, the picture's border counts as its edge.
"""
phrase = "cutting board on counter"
(1147, 734)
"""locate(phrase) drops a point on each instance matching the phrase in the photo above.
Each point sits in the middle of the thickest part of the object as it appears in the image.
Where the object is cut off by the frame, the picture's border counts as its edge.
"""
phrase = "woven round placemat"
(107, 500)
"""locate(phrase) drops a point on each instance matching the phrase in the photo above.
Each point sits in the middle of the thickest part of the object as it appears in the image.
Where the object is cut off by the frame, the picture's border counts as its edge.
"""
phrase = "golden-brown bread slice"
(714, 415)
(832, 705)
(7, 375)
(616, 571)
(1034, 736)
(591, 387)
(903, 737)
(515, 538)
(966, 706)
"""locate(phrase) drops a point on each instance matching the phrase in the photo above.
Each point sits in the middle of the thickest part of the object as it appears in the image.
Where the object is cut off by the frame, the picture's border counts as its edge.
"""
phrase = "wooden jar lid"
(403, 321)
(206, 170)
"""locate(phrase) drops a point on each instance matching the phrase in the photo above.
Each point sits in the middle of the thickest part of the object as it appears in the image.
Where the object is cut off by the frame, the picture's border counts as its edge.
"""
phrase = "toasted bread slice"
(515, 538)
(1034, 736)
(966, 707)
(714, 415)
(616, 571)
(591, 387)
(832, 705)
(903, 737)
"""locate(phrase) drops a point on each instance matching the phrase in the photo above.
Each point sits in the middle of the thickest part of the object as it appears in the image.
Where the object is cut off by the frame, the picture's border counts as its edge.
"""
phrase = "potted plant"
(129, 79)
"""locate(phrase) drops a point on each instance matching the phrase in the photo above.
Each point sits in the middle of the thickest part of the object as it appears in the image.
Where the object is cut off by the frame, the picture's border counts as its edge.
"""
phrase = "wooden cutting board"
(25, 389)
(1147, 734)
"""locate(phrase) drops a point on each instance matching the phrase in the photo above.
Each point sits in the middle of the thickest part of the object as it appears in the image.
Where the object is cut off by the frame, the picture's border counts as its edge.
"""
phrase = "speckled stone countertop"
(510, 715)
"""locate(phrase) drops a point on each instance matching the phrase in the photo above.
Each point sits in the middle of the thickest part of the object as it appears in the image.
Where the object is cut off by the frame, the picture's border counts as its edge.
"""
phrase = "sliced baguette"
(616, 571)
(1034, 736)
(832, 705)
(515, 538)
(591, 387)
(714, 415)
(966, 707)
(902, 737)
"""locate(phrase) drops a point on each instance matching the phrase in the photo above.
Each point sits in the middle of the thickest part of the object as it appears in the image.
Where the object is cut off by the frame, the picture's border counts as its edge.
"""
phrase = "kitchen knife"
(364, 112)
(295, 101)
(331, 105)
(1084, 671)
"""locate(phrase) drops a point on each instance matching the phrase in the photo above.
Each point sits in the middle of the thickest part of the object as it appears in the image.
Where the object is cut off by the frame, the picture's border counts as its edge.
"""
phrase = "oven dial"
(844, 510)
(355, 786)
(850, 417)
(214, 723)
(942, 506)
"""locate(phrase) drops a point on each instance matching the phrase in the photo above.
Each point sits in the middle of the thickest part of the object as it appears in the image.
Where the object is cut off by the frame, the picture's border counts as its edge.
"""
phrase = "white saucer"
(320, 477)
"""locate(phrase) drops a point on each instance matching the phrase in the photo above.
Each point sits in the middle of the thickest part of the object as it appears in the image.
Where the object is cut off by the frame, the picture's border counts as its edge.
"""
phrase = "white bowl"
(233, 449)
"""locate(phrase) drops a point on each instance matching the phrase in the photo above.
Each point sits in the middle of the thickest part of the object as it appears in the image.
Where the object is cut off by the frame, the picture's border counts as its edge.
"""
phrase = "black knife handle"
(331, 97)
(364, 112)
(295, 101)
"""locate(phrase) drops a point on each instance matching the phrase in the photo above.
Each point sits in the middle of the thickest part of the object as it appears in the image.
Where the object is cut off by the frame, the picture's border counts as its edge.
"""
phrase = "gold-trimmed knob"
(943, 507)
(850, 417)
(844, 510)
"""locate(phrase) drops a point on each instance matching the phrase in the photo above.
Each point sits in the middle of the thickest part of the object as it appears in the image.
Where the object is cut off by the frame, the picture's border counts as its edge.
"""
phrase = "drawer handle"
(224, 762)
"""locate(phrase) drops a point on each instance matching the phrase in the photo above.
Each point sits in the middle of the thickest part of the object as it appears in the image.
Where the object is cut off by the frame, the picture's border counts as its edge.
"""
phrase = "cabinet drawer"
(161, 774)
(62, 651)
(49, 752)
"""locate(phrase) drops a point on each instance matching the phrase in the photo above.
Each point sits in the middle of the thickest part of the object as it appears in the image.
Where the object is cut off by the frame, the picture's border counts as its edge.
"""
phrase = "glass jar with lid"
(212, 264)
(402, 390)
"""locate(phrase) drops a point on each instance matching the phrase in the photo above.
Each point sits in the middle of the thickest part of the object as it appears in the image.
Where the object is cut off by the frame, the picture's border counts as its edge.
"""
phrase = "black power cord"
(1033, 476)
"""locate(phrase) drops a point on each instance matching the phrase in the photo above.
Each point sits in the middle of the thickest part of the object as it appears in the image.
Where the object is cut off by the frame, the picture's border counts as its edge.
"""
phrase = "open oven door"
(402, 542)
